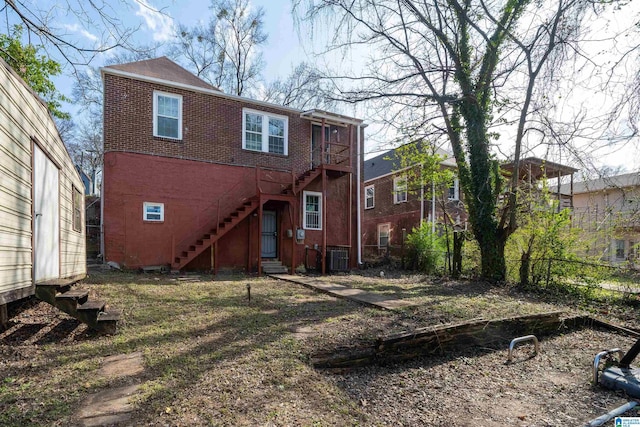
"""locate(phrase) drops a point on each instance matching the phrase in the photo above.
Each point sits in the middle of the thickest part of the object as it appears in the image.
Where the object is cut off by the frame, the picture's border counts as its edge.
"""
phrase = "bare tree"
(304, 88)
(225, 52)
(98, 26)
(465, 66)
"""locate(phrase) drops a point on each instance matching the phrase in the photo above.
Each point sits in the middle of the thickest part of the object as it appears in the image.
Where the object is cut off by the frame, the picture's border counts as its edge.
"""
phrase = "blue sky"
(284, 48)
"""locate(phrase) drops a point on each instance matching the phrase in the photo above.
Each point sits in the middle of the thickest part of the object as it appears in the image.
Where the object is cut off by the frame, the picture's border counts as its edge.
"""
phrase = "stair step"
(108, 321)
(75, 294)
(112, 314)
(91, 305)
(275, 270)
(57, 283)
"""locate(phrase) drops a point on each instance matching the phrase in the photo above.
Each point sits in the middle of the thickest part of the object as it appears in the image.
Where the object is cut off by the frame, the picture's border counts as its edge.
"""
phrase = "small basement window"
(153, 212)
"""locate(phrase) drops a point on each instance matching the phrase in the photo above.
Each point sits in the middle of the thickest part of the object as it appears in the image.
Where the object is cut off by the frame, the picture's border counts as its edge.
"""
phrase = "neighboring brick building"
(389, 207)
(198, 179)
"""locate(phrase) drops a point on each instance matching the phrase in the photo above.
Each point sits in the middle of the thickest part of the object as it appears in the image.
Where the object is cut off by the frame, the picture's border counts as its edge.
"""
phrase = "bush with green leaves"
(426, 250)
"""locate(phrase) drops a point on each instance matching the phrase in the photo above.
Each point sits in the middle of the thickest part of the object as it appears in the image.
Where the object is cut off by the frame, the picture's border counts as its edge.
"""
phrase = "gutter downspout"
(359, 216)
(104, 261)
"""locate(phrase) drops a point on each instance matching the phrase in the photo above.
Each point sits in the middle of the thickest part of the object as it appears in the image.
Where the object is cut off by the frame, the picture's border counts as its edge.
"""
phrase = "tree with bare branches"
(459, 69)
(226, 51)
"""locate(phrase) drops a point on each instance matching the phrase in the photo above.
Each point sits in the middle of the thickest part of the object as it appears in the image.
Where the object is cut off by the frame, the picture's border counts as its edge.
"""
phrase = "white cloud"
(77, 29)
(160, 24)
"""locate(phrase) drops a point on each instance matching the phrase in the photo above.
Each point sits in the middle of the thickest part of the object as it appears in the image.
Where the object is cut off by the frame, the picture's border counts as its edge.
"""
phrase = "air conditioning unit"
(338, 260)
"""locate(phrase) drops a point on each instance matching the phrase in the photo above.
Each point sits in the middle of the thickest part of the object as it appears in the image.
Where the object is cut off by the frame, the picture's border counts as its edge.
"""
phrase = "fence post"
(404, 236)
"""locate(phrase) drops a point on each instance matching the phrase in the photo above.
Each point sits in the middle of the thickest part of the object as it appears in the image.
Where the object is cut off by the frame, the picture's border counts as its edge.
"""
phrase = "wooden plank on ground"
(443, 338)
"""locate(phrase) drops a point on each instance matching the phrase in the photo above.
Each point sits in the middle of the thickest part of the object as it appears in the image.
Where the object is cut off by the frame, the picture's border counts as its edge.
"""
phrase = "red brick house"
(390, 207)
(198, 179)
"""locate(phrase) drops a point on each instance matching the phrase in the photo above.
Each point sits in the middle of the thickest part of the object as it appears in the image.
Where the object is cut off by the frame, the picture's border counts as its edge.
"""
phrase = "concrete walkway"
(340, 291)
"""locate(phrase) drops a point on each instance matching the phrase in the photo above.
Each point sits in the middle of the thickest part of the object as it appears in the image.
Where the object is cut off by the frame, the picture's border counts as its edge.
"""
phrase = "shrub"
(426, 250)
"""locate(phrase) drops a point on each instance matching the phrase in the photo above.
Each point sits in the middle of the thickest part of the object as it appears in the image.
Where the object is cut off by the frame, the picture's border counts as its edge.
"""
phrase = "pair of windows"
(263, 132)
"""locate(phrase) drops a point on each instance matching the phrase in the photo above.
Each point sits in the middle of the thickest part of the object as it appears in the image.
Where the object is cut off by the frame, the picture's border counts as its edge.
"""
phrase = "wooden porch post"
(249, 246)
(216, 260)
(4, 315)
(260, 238)
(294, 215)
(324, 220)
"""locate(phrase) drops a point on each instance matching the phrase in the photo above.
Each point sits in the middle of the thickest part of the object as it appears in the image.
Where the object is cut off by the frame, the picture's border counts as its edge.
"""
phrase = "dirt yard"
(211, 357)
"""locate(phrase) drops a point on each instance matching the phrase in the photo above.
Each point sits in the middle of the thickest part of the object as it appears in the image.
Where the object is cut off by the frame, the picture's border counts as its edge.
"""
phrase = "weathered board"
(446, 338)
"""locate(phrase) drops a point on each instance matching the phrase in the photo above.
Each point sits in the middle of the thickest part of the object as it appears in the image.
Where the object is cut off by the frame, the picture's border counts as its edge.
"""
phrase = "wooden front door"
(269, 234)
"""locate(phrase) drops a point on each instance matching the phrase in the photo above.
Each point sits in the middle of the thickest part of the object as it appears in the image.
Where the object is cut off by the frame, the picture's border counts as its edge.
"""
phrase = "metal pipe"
(602, 419)
(515, 341)
(359, 218)
(596, 361)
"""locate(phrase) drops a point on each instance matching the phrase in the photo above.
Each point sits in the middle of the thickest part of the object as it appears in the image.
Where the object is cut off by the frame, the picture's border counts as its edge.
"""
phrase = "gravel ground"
(478, 388)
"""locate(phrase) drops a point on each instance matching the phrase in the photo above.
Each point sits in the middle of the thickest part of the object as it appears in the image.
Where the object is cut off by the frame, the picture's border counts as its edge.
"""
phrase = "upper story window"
(265, 132)
(312, 219)
(400, 189)
(167, 115)
(454, 190)
(369, 196)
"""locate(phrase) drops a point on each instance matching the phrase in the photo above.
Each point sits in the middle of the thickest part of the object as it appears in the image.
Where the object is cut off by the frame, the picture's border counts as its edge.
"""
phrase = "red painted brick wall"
(190, 177)
(211, 128)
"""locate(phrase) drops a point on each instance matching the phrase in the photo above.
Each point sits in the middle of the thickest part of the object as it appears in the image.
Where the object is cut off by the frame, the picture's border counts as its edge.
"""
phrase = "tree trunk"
(458, 240)
(493, 266)
(525, 267)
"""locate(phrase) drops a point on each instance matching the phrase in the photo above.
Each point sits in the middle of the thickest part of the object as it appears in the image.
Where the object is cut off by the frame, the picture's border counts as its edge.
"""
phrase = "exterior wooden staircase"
(302, 181)
(216, 233)
(76, 303)
(235, 217)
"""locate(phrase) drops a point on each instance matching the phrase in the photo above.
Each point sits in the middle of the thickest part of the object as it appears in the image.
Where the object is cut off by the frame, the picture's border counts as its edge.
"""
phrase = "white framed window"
(369, 196)
(454, 190)
(384, 233)
(167, 115)
(76, 197)
(153, 211)
(400, 189)
(264, 132)
(312, 209)
(619, 247)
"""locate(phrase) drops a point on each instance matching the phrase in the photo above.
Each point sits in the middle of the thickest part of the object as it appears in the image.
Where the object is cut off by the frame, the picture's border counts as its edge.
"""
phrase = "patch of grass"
(212, 357)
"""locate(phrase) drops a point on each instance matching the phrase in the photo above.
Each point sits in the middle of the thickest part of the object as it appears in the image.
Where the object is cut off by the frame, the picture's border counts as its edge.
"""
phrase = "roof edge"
(177, 85)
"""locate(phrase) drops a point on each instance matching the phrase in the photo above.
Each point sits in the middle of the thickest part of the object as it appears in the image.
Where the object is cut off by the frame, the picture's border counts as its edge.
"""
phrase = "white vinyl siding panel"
(23, 118)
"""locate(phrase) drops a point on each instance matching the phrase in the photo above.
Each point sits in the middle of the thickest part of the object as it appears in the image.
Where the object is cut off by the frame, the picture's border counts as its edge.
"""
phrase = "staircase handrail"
(231, 203)
(222, 210)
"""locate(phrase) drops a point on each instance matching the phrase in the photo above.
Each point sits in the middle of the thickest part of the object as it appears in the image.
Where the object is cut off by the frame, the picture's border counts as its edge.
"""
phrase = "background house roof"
(162, 68)
(388, 162)
(539, 168)
(619, 181)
